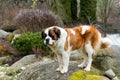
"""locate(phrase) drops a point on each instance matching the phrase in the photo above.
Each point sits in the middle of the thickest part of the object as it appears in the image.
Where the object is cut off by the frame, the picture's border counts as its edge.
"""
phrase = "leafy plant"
(29, 43)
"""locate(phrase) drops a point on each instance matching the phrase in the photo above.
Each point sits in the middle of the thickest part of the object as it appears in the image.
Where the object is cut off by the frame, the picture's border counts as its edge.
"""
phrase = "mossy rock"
(83, 75)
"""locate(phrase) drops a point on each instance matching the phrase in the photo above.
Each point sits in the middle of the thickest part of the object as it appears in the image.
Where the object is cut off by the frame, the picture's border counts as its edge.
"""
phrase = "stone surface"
(76, 56)
(46, 71)
(110, 73)
(108, 59)
(18, 65)
(115, 78)
(3, 34)
(25, 61)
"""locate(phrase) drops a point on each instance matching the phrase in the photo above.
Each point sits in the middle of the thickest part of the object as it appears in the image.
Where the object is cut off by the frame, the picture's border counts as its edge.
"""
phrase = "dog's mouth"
(50, 44)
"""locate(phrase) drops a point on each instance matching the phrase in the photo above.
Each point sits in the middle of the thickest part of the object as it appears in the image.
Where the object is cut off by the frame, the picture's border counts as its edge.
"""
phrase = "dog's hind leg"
(84, 63)
(90, 52)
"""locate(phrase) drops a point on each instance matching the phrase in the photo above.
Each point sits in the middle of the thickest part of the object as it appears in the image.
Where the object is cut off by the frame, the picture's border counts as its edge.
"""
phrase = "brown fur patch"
(78, 40)
(52, 33)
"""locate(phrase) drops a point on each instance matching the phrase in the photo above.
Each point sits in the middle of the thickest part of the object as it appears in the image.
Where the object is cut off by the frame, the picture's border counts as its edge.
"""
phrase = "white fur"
(107, 41)
(72, 31)
(87, 58)
(85, 28)
(90, 51)
(48, 37)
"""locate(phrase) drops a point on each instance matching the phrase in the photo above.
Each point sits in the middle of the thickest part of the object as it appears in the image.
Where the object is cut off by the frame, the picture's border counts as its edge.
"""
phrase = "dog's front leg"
(60, 62)
(65, 57)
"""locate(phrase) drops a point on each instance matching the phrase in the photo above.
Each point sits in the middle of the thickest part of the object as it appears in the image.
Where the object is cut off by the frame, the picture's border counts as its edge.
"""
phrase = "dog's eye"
(51, 36)
(43, 35)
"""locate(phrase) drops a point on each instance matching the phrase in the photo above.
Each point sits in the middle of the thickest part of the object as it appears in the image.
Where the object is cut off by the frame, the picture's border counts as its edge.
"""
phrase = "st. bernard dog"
(65, 41)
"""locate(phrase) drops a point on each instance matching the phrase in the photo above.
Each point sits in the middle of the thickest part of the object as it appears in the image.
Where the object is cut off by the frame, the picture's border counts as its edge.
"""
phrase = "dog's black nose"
(47, 41)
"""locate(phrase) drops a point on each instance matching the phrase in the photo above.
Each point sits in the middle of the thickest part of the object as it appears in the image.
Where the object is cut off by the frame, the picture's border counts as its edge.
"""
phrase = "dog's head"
(51, 35)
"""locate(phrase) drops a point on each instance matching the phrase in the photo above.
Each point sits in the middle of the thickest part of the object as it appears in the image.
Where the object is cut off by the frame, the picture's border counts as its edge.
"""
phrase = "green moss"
(93, 77)
(83, 75)
(80, 75)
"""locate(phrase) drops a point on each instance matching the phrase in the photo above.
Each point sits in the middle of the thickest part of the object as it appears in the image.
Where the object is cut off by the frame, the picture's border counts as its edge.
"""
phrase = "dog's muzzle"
(47, 41)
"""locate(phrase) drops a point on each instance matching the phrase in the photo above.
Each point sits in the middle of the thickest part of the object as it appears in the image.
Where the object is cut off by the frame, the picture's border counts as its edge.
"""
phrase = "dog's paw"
(87, 69)
(58, 69)
(81, 66)
(64, 71)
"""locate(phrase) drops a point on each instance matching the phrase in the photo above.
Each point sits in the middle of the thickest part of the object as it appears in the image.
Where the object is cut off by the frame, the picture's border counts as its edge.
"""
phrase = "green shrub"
(9, 28)
(27, 41)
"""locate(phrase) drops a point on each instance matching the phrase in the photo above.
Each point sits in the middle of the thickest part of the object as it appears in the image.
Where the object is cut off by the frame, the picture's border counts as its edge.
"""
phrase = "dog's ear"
(57, 32)
(43, 35)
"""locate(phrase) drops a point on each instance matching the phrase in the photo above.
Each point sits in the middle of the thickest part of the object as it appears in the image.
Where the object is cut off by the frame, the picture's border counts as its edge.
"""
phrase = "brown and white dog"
(65, 41)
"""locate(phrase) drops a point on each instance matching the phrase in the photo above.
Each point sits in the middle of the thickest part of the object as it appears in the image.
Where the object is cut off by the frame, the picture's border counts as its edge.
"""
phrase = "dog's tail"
(105, 43)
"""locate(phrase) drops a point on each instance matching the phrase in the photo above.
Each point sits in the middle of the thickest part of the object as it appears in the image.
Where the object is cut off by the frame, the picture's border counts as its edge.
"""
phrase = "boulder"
(110, 73)
(47, 71)
(21, 64)
(25, 61)
(108, 59)
(3, 34)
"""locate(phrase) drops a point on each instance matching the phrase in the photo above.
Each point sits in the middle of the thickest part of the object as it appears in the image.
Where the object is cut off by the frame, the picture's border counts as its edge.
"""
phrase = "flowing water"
(115, 39)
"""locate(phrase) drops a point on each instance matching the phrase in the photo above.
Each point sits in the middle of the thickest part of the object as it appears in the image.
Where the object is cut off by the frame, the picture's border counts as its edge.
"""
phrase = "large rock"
(25, 61)
(108, 59)
(21, 64)
(3, 34)
(46, 71)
